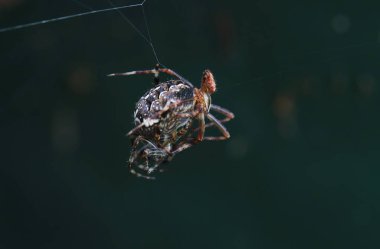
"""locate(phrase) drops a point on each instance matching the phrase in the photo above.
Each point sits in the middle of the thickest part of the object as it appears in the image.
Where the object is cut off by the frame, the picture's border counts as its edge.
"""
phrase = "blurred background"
(301, 169)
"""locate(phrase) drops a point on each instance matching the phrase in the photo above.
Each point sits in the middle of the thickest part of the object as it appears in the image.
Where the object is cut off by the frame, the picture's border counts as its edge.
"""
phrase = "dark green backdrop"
(301, 169)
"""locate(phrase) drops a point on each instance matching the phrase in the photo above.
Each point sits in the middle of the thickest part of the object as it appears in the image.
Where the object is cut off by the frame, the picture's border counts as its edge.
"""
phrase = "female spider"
(163, 119)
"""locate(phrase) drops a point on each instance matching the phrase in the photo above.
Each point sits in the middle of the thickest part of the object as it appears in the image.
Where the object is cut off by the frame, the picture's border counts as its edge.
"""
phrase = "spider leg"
(150, 71)
(221, 128)
(134, 130)
(134, 172)
(154, 71)
(183, 146)
(202, 127)
(172, 73)
(188, 114)
(228, 115)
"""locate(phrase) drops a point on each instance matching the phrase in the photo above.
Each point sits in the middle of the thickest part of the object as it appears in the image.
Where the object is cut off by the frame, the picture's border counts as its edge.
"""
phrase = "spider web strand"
(148, 31)
(130, 22)
(21, 26)
(147, 39)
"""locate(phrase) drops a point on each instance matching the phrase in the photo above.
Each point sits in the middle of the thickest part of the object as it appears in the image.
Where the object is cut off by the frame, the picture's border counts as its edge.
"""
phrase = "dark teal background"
(301, 169)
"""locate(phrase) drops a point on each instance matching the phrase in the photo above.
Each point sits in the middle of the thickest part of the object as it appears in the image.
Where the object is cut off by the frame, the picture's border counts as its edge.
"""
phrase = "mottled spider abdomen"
(161, 110)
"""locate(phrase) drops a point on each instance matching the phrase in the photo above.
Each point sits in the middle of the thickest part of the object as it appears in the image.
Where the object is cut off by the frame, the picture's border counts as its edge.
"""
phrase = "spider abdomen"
(162, 109)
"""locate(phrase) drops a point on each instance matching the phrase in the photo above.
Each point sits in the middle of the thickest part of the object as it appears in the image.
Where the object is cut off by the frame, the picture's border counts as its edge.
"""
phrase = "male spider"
(163, 118)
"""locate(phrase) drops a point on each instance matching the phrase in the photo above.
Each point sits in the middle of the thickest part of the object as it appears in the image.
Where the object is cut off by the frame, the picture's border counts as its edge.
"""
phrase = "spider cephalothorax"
(164, 116)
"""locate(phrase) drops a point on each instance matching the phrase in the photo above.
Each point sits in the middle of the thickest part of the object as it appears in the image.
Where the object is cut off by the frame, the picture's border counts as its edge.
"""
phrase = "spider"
(163, 118)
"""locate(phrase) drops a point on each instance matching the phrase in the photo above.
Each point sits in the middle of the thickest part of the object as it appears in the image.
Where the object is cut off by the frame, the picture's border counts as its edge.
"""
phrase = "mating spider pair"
(164, 116)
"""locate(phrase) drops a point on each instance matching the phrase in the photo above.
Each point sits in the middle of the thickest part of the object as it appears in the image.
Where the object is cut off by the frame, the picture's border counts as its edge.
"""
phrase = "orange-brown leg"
(228, 115)
(202, 127)
(154, 71)
(221, 128)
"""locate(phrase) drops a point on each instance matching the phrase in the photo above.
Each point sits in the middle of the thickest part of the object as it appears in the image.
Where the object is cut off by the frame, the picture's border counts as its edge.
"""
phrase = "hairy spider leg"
(134, 172)
(202, 126)
(221, 128)
(228, 115)
(190, 141)
(134, 130)
(183, 146)
(154, 71)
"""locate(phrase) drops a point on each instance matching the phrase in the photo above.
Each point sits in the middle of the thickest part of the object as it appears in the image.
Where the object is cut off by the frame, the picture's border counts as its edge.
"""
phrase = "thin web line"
(21, 26)
(147, 29)
(147, 39)
(130, 23)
